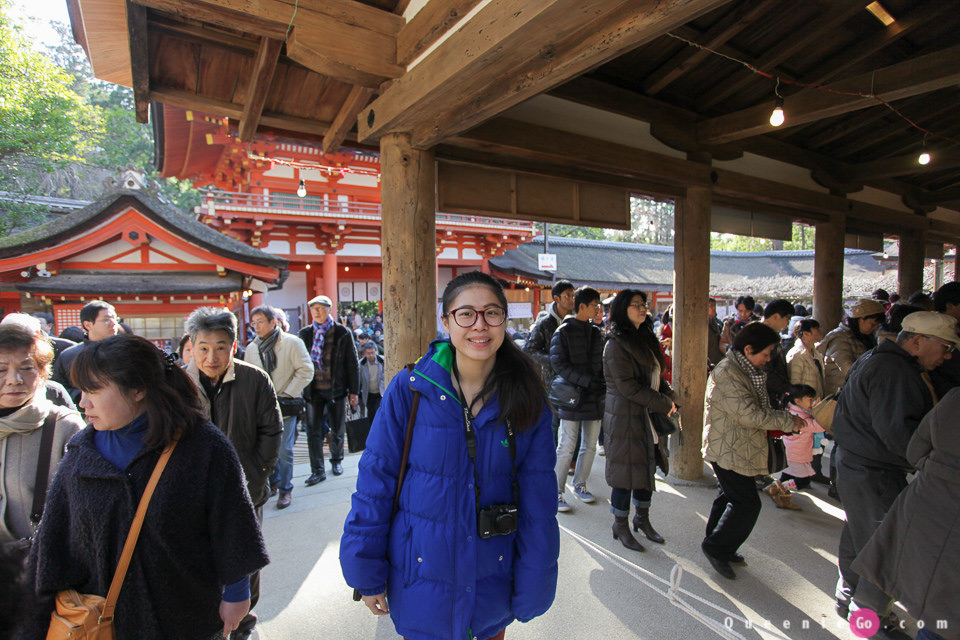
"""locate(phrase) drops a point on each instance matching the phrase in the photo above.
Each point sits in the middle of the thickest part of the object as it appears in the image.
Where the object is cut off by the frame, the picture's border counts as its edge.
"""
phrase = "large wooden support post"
(408, 205)
(910, 267)
(691, 286)
(828, 272)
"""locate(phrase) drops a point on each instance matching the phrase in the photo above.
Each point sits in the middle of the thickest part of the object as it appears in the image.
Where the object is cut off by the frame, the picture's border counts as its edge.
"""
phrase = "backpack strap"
(407, 442)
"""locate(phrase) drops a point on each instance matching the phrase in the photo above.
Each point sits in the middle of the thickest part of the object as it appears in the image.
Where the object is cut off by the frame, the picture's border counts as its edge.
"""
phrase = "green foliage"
(651, 222)
(572, 231)
(803, 238)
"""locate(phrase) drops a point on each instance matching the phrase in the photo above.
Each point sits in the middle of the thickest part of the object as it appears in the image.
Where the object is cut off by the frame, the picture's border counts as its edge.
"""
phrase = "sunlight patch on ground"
(827, 507)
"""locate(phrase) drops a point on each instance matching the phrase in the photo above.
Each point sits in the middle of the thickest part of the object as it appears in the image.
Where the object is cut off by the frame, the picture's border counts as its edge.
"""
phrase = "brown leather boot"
(784, 501)
(641, 522)
(621, 532)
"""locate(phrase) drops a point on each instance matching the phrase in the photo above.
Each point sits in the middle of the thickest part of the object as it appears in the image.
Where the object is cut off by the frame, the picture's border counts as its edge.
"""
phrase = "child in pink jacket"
(801, 447)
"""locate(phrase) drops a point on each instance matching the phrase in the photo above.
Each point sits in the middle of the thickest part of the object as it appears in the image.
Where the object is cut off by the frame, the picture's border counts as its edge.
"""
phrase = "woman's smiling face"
(481, 341)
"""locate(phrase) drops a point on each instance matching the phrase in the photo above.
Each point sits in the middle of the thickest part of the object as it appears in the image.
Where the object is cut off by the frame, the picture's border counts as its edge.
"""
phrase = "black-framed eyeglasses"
(466, 317)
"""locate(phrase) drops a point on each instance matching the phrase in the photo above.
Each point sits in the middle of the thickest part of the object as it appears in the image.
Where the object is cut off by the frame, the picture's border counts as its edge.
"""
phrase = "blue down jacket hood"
(442, 581)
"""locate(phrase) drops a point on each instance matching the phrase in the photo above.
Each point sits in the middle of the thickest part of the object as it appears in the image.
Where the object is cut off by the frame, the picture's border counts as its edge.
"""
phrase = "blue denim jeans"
(620, 500)
(283, 472)
(568, 442)
(926, 634)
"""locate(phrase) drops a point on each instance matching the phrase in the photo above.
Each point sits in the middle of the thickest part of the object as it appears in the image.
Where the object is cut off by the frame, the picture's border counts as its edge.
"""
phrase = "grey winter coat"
(915, 553)
(630, 371)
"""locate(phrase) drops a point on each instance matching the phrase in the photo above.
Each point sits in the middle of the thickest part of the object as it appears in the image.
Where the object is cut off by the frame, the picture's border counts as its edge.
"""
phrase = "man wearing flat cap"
(885, 397)
(335, 376)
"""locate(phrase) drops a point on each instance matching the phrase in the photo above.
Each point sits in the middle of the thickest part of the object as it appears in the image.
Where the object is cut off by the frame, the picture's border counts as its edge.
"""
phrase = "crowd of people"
(453, 527)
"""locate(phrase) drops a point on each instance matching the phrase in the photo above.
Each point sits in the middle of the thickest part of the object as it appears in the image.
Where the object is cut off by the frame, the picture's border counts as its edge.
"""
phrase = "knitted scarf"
(319, 335)
(757, 377)
(267, 355)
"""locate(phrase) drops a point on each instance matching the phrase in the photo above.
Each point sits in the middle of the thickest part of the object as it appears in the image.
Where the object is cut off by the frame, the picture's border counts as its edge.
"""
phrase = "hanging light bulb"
(923, 158)
(302, 189)
(776, 116)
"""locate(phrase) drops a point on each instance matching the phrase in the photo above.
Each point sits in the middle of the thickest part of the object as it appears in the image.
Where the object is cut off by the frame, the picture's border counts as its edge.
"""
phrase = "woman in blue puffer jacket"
(443, 580)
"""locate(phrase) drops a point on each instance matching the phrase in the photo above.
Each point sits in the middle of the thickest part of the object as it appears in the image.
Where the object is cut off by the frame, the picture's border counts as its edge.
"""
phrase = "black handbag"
(564, 394)
(357, 426)
(776, 455)
(291, 406)
(665, 425)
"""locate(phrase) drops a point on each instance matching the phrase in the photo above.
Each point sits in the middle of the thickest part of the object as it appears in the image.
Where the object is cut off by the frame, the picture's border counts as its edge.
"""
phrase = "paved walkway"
(603, 589)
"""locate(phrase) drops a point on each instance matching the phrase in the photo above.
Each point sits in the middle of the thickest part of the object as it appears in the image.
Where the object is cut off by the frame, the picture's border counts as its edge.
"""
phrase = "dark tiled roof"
(135, 284)
(71, 224)
(613, 265)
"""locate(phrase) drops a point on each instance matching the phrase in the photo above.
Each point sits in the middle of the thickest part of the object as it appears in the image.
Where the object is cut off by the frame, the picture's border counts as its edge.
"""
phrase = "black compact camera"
(497, 520)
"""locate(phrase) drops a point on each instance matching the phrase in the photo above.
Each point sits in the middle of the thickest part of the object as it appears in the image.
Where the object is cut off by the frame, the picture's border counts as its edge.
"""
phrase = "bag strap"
(407, 442)
(43, 467)
(134, 533)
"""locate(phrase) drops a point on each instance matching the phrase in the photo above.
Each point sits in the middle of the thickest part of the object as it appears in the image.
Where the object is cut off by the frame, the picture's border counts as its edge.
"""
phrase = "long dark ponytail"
(515, 378)
(133, 363)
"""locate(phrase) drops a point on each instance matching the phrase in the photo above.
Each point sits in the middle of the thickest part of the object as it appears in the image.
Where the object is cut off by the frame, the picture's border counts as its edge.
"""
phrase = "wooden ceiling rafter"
(346, 118)
(226, 18)
(735, 21)
(264, 68)
(920, 75)
(447, 92)
(139, 60)
(431, 23)
(840, 11)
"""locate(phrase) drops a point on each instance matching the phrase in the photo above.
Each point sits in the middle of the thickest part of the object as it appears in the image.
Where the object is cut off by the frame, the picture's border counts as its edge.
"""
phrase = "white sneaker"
(583, 494)
(601, 451)
(562, 505)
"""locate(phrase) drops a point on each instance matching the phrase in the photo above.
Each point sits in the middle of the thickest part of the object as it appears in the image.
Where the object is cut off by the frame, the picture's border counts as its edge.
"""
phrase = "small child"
(800, 448)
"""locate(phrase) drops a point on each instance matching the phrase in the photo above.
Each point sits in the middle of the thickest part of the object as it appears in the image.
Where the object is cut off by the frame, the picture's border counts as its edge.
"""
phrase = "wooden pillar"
(691, 289)
(956, 272)
(330, 284)
(828, 272)
(910, 265)
(408, 196)
(256, 300)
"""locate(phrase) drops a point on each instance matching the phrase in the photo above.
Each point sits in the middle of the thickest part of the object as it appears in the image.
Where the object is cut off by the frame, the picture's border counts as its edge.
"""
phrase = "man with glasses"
(881, 405)
(576, 354)
(99, 321)
(538, 342)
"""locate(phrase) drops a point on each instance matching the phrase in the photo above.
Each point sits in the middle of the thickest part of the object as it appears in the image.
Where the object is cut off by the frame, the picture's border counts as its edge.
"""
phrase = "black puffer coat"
(630, 370)
(576, 354)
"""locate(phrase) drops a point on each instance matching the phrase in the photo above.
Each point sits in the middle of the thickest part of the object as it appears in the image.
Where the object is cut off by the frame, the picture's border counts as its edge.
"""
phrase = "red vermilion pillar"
(330, 283)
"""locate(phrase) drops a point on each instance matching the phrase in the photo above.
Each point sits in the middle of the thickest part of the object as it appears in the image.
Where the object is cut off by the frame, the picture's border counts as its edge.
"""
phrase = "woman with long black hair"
(634, 371)
(474, 541)
(188, 578)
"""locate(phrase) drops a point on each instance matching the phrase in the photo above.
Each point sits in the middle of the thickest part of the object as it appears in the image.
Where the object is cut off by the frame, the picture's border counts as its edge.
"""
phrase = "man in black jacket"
(881, 405)
(240, 400)
(538, 342)
(776, 315)
(576, 354)
(335, 375)
(99, 321)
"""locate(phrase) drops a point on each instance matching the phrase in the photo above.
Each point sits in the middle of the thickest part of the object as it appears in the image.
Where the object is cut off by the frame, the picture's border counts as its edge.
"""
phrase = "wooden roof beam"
(921, 75)
(865, 48)
(840, 11)
(345, 40)
(346, 118)
(139, 60)
(734, 22)
(263, 70)
(944, 196)
(220, 17)
(510, 51)
(429, 25)
(903, 166)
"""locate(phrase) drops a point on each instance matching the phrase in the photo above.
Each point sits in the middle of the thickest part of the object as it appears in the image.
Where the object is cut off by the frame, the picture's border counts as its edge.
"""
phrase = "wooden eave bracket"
(264, 68)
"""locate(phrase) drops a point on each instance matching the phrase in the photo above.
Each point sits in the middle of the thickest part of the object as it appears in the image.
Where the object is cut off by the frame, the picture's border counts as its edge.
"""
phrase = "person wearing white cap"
(335, 375)
(855, 335)
(884, 398)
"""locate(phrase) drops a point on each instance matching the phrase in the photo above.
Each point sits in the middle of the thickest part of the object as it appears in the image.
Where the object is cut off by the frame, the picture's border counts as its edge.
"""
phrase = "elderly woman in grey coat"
(633, 367)
(914, 555)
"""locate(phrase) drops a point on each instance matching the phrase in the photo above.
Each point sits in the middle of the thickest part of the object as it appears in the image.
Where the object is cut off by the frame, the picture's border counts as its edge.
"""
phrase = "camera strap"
(471, 437)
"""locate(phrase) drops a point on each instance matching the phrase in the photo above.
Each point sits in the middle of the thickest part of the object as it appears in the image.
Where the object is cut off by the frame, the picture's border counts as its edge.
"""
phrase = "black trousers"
(333, 410)
(373, 403)
(734, 513)
(867, 493)
(249, 621)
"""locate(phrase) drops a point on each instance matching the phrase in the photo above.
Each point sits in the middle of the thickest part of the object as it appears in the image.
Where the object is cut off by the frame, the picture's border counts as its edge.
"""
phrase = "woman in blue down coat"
(442, 580)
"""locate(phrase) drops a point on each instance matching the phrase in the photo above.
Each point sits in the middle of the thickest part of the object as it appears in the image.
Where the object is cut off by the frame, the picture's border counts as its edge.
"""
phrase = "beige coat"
(21, 452)
(294, 369)
(802, 366)
(735, 424)
(840, 349)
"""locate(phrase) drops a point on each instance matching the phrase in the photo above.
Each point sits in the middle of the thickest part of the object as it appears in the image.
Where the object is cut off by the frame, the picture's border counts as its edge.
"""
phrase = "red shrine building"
(320, 212)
